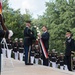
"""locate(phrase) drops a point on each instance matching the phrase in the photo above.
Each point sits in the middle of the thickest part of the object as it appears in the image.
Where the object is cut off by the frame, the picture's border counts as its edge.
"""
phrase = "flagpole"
(1, 18)
(5, 30)
(1, 7)
(0, 54)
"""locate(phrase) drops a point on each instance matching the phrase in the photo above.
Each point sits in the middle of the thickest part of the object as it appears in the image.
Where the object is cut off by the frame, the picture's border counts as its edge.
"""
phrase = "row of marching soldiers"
(58, 60)
(12, 49)
(16, 50)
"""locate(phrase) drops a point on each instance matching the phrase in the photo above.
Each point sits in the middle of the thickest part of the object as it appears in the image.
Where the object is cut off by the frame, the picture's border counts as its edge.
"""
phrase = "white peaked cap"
(10, 33)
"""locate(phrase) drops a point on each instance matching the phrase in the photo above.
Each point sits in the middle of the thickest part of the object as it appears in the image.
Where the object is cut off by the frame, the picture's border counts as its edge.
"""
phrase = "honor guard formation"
(32, 50)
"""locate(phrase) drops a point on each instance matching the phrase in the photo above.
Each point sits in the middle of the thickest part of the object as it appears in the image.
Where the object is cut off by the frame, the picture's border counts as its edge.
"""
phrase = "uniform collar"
(45, 32)
(27, 26)
(69, 38)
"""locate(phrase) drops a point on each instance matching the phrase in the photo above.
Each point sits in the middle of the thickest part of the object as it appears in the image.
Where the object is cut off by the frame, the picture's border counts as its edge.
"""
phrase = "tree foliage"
(59, 16)
(14, 20)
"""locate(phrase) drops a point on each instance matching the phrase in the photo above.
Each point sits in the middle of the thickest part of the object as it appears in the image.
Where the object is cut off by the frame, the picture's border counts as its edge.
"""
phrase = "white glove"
(4, 40)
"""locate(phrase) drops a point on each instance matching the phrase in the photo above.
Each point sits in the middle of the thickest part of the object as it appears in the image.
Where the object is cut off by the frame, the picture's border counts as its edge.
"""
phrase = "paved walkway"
(20, 69)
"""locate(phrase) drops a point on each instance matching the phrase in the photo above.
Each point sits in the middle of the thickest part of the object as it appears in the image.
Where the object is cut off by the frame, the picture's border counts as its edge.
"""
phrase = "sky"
(36, 7)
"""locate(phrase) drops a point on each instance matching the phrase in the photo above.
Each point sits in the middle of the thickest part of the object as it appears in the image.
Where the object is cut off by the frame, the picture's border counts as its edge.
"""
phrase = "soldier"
(57, 59)
(57, 62)
(15, 48)
(32, 53)
(56, 55)
(40, 51)
(53, 58)
(28, 37)
(3, 33)
(9, 47)
(41, 56)
(3, 47)
(37, 55)
(49, 58)
(61, 61)
(69, 47)
(21, 49)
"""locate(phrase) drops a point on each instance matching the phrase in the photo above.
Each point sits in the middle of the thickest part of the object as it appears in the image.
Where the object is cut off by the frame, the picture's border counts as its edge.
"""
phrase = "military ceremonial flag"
(0, 6)
(44, 49)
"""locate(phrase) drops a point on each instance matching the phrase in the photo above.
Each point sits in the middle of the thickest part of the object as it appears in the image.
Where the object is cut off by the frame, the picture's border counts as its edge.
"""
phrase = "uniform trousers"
(9, 53)
(41, 61)
(61, 67)
(32, 59)
(26, 48)
(1, 62)
(49, 63)
(4, 51)
(54, 64)
(68, 62)
(21, 56)
(65, 67)
(36, 61)
(16, 55)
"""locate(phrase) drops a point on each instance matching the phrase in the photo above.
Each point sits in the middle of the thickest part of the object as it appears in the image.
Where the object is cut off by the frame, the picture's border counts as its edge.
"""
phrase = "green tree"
(59, 16)
(14, 20)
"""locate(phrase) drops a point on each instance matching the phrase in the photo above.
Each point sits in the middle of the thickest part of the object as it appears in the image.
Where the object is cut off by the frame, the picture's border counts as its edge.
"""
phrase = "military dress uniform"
(1, 37)
(49, 58)
(57, 61)
(41, 56)
(53, 59)
(32, 53)
(9, 47)
(28, 37)
(15, 49)
(56, 55)
(69, 47)
(21, 49)
(37, 56)
(2, 34)
(3, 47)
(61, 61)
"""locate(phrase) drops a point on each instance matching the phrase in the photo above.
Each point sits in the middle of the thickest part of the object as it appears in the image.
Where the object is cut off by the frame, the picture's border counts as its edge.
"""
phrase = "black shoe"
(28, 64)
